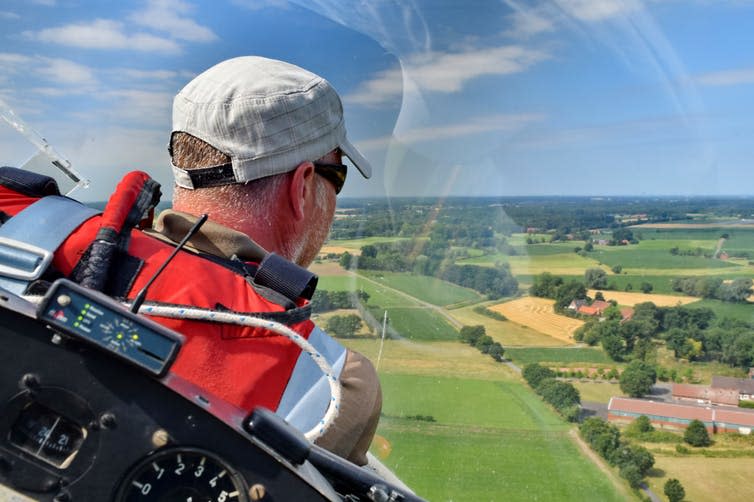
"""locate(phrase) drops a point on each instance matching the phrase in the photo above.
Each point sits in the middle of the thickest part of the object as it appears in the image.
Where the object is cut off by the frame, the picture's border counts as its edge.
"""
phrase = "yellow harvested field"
(339, 250)
(630, 299)
(537, 313)
(328, 268)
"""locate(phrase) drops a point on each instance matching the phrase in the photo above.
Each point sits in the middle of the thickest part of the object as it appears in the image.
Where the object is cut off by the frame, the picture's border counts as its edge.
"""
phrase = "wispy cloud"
(446, 72)
(103, 34)
(726, 77)
(67, 72)
(170, 16)
(527, 21)
(478, 125)
(55, 70)
(597, 10)
(9, 15)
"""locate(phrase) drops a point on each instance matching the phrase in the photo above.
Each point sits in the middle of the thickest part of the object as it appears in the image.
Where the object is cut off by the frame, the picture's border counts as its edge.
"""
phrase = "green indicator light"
(80, 318)
(86, 305)
(120, 336)
(134, 337)
(75, 325)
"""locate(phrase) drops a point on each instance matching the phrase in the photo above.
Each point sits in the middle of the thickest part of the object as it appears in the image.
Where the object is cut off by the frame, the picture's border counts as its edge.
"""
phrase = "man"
(258, 144)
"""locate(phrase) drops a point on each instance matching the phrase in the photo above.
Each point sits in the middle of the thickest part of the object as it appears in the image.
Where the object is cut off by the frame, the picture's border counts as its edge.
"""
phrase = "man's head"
(251, 143)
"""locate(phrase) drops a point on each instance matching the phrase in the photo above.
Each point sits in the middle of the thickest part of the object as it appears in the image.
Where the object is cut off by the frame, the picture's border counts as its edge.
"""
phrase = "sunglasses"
(334, 173)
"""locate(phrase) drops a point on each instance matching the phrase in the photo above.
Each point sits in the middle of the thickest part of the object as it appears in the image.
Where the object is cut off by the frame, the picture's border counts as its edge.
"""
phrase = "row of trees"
(477, 336)
(737, 290)
(563, 396)
(633, 461)
(325, 301)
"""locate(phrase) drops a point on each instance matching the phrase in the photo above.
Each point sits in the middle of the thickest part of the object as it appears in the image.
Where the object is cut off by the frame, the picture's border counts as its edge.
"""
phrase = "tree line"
(633, 461)
(477, 336)
(563, 396)
(737, 290)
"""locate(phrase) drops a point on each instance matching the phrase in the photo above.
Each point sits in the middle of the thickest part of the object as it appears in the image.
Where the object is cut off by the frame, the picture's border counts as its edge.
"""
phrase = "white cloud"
(597, 10)
(169, 16)
(103, 34)
(9, 15)
(62, 72)
(527, 21)
(727, 77)
(446, 72)
(474, 126)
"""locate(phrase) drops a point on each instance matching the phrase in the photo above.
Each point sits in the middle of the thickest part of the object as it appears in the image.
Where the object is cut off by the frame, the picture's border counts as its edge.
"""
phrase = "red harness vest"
(245, 366)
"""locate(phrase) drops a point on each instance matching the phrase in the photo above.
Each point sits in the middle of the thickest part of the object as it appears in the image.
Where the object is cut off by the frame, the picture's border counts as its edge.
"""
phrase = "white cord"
(198, 314)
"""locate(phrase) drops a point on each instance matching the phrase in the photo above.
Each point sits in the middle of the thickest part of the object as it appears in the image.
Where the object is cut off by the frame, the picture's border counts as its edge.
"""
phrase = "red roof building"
(678, 416)
(703, 394)
(596, 308)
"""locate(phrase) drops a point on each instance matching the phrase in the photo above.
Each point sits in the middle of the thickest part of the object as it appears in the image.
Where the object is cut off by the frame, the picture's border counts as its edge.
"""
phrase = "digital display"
(96, 318)
(47, 435)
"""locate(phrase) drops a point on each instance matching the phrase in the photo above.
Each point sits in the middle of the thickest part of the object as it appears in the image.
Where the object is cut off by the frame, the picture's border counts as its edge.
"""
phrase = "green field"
(378, 295)
(357, 244)
(647, 258)
(428, 289)
(523, 356)
(416, 323)
(596, 391)
(742, 311)
(737, 237)
(488, 441)
(408, 318)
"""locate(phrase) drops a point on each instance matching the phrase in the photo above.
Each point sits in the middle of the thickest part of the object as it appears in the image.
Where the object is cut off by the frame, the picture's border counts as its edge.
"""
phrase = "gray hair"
(190, 152)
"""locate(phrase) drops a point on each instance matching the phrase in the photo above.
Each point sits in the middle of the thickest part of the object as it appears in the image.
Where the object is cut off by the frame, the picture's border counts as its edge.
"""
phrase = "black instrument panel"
(79, 424)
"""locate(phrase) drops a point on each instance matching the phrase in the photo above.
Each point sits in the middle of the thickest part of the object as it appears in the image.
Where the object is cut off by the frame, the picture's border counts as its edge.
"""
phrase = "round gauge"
(46, 435)
(182, 475)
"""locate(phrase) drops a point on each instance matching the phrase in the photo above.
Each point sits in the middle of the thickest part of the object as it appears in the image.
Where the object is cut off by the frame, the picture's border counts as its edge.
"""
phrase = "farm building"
(576, 304)
(678, 416)
(743, 386)
(704, 394)
(595, 309)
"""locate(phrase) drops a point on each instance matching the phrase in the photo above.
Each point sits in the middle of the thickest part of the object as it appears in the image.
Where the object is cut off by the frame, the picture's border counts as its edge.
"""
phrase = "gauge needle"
(47, 436)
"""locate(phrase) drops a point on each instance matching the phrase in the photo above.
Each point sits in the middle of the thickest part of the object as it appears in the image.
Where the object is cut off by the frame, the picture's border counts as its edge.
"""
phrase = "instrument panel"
(77, 424)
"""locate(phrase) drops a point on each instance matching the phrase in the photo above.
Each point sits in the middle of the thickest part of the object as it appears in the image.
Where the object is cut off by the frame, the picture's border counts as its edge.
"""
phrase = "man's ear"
(301, 188)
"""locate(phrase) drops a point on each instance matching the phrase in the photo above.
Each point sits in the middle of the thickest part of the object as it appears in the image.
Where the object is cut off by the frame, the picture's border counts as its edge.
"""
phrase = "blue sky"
(557, 97)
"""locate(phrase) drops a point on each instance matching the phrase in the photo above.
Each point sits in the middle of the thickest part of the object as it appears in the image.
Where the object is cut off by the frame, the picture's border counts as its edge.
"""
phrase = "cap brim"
(361, 163)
